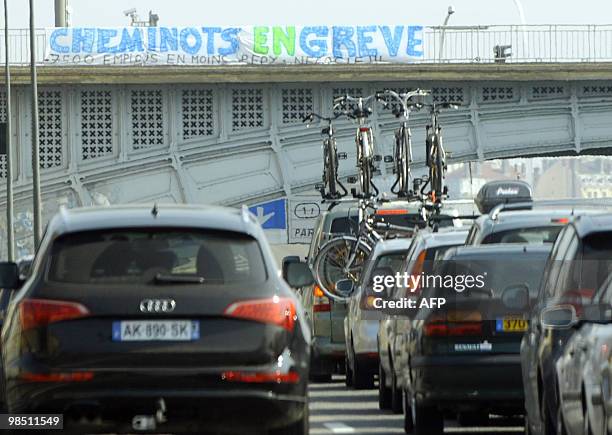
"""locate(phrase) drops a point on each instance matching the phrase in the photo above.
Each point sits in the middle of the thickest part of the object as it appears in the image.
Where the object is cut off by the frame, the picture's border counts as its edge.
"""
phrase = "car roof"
(392, 245)
(499, 249)
(143, 216)
(443, 238)
(588, 224)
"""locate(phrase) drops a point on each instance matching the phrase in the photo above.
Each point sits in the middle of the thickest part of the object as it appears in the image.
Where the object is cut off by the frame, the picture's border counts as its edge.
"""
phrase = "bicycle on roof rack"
(403, 139)
(342, 258)
(332, 187)
(435, 160)
(364, 140)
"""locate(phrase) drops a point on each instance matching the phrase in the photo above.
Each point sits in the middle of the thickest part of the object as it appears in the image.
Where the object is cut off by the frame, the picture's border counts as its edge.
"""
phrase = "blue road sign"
(271, 215)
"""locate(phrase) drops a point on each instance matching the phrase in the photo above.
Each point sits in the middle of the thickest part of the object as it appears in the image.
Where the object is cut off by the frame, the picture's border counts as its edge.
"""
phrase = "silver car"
(584, 382)
(362, 320)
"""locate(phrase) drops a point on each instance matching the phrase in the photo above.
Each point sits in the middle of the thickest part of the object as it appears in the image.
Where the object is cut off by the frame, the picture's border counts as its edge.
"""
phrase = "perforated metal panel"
(96, 124)
(296, 103)
(147, 110)
(492, 94)
(392, 103)
(597, 90)
(50, 118)
(547, 92)
(247, 108)
(448, 94)
(197, 113)
(353, 91)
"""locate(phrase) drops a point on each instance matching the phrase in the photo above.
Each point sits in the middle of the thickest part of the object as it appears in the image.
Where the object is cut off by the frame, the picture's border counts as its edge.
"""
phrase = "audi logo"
(157, 305)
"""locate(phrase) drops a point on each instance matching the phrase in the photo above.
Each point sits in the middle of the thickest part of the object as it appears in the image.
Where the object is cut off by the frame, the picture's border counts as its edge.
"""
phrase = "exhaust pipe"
(150, 422)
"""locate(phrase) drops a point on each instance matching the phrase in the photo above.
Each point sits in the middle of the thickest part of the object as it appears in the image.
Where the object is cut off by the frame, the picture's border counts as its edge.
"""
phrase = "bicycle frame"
(403, 138)
(330, 159)
(366, 234)
(364, 140)
(436, 155)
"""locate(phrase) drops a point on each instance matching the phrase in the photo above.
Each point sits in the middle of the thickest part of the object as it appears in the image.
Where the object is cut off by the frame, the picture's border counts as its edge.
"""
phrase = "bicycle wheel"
(404, 162)
(329, 172)
(331, 262)
(365, 177)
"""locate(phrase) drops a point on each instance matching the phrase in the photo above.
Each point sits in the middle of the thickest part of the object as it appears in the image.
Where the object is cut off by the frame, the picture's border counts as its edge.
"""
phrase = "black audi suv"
(169, 318)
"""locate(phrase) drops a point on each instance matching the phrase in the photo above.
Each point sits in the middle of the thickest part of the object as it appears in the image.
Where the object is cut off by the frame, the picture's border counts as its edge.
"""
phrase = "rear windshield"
(141, 256)
(498, 272)
(344, 225)
(547, 234)
(387, 265)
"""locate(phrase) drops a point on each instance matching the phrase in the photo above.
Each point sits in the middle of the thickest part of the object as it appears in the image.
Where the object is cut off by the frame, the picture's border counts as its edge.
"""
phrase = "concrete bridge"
(233, 134)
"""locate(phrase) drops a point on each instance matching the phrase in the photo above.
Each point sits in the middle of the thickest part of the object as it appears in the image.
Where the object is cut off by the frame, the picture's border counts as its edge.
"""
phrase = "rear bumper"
(468, 382)
(112, 406)
(365, 336)
(326, 355)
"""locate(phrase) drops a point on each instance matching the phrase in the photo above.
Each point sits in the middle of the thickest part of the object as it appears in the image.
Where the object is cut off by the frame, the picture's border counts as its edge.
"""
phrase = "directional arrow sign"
(271, 215)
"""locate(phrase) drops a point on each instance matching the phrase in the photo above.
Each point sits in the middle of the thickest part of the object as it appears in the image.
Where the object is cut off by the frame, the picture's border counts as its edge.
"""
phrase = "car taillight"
(57, 377)
(453, 324)
(276, 310)
(40, 312)
(417, 269)
(559, 220)
(367, 302)
(321, 302)
(391, 212)
(261, 377)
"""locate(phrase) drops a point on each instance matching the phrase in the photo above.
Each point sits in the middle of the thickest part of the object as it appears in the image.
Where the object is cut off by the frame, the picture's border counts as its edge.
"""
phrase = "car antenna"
(155, 210)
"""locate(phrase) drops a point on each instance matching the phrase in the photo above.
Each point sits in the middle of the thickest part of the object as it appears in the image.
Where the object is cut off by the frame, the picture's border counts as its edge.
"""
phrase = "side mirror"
(559, 317)
(516, 297)
(296, 272)
(9, 275)
(345, 287)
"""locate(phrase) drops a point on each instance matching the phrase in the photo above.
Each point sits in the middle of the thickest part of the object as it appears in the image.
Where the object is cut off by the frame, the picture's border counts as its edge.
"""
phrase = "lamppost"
(35, 151)
(10, 230)
(521, 12)
(450, 12)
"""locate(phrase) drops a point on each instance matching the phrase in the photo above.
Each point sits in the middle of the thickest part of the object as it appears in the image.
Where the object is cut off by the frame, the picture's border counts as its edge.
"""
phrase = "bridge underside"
(245, 143)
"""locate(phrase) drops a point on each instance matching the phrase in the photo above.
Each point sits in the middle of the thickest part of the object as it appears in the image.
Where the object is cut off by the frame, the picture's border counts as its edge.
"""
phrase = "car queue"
(535, 342)
(154, 325)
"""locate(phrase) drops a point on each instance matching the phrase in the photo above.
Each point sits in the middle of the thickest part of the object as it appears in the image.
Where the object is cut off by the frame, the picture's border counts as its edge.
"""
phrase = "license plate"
(512, 324)
(156, 330)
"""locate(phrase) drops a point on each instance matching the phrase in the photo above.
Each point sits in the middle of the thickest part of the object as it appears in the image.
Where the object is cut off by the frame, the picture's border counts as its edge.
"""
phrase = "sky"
(325, 12)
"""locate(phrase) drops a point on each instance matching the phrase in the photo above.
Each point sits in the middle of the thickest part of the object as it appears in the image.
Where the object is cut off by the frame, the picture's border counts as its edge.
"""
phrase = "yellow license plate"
(512, 324)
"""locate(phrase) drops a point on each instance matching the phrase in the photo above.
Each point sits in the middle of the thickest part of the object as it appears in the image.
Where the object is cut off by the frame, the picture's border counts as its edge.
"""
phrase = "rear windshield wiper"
(484, 291)
(178, 278)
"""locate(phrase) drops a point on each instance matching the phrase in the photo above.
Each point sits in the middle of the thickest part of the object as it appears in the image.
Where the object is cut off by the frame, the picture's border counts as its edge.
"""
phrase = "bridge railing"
(529, 43)
(460, 44)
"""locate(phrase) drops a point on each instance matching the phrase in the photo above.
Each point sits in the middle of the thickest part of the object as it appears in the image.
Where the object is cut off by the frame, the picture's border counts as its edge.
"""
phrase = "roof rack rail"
(527, 205)
(568, 202)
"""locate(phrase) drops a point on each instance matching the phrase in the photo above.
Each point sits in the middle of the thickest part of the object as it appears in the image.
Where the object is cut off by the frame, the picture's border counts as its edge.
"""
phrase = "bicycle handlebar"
(311, 116)
(403, 99)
